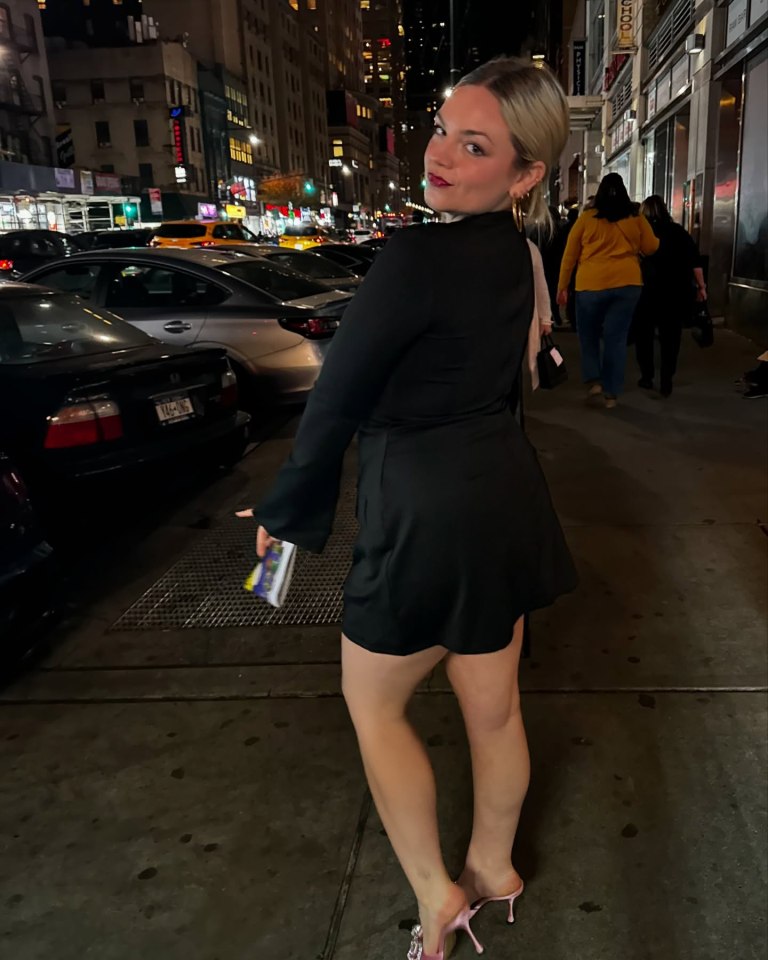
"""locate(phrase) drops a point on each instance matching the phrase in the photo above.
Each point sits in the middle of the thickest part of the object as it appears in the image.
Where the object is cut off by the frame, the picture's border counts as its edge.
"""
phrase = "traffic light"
(309, 187)
(129, 210)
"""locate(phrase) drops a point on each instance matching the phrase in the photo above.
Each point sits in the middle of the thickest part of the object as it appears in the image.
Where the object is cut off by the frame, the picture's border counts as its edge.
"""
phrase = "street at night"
(383, 480)
(179, 782)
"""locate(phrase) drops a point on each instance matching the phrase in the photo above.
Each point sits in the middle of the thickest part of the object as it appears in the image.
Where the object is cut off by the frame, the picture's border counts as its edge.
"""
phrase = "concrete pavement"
(196, 792)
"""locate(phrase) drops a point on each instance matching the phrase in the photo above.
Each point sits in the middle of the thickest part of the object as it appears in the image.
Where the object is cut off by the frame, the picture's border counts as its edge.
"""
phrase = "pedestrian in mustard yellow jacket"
(604, 246)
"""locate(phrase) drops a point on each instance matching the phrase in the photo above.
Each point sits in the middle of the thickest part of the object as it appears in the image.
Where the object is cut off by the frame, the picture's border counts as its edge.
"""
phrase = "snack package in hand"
(271, 577)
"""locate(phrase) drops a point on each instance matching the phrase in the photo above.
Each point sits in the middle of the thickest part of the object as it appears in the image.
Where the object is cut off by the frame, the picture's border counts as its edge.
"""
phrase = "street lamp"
(254, 140)
(346, 170)
(391, 184)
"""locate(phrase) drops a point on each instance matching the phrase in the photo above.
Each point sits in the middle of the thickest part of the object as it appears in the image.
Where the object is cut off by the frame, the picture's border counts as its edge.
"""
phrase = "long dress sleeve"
(390, 310)
(572, 253)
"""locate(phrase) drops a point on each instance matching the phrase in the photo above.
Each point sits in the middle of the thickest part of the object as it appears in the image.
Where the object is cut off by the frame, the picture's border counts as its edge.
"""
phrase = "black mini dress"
(457, 533)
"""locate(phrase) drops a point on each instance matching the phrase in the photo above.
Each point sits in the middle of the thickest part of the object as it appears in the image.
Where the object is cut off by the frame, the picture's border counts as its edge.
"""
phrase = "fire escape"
(20, 109)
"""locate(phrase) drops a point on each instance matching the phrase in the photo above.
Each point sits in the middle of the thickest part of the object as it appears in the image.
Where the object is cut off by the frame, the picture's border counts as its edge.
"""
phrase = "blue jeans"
(605, 315)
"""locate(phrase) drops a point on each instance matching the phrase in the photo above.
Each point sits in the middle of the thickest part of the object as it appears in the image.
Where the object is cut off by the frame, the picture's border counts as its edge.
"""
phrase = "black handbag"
(703, 332)
(550, 365)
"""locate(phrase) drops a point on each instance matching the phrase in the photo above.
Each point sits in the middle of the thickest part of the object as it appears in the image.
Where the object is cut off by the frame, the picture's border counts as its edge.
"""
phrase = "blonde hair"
(536, 110)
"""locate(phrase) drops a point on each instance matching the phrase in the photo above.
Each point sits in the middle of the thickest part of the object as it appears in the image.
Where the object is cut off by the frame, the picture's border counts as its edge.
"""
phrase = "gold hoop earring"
(517, 213)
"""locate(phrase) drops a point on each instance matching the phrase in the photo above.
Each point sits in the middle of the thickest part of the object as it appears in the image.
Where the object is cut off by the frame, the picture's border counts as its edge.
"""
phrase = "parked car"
(356, 257)
(187, 234)
(114, 239)
(23, 250)
(303, 236)
(375, 243)
(28, 573)
(361, 234)
(306, 262)
(91, 394)
(274, 324)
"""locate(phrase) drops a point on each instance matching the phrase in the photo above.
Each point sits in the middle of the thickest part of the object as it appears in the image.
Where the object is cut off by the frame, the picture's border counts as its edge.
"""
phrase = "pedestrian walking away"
(670, 277)
(458, 538)
(604, 247)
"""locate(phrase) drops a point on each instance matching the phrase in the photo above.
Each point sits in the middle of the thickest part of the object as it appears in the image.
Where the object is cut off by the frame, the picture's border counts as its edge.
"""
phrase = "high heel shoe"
(459, 922)
(511, 897)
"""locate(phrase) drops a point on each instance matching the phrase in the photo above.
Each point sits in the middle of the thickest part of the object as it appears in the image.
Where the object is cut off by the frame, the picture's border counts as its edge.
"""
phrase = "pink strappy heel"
(511, 897)
(459, 922)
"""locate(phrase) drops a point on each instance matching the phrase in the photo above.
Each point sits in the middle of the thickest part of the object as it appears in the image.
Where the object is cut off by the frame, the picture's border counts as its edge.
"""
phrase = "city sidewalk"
(196, 794)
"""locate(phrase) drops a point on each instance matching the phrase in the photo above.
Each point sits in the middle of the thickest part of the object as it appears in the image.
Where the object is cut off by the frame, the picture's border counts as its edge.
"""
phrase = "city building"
(675, 103)
(26, 106)
(37, 188)
(273, 72)
(133, 110)
(384, 78)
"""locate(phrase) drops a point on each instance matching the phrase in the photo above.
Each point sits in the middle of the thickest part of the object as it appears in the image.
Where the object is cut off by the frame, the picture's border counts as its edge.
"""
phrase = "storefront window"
(680, 125)
(660, 159)
(751, 253)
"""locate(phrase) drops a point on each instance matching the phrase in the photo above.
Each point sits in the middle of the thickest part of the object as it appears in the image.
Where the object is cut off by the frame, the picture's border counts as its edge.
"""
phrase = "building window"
(141, 133)
(239, 151)
(97, 91)
(338, 148)
(137, 89)
(103, 137)
(146, 174)
(311, 4)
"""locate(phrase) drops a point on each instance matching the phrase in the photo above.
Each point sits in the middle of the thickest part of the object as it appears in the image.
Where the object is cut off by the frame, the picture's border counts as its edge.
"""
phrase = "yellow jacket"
(606, 253)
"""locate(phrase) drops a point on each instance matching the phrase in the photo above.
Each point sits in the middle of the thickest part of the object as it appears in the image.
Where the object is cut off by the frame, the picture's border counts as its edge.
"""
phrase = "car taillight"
(228, 389)
(80, 424)
(205, 243)
(154, 242)
(313, 328)
(6, 265)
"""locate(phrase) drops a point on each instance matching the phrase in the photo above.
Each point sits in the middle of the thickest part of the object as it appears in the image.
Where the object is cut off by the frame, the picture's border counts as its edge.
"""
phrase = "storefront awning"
(583, 111)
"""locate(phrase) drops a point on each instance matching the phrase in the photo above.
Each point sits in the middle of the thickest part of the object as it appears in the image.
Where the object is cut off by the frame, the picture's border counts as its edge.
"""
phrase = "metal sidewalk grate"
(205, 587)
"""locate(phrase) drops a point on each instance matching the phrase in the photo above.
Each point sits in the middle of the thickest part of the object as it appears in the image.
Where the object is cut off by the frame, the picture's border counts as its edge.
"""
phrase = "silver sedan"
(275, 324)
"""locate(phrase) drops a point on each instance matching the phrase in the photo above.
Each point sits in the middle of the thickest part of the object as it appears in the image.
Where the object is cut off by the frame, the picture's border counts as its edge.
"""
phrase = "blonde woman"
(458, 537)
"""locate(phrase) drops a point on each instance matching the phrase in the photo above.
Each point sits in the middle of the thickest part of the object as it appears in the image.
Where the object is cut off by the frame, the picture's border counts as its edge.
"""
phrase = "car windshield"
(273, 279)
(180, 231)
(35, 327)
(311, 265)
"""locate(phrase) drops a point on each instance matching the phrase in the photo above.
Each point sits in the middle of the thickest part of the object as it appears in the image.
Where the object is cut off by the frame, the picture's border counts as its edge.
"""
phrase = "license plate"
(173, 409)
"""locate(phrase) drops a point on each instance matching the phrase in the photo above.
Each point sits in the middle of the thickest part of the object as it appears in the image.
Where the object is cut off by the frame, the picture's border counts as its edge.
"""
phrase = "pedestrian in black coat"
(672, 277)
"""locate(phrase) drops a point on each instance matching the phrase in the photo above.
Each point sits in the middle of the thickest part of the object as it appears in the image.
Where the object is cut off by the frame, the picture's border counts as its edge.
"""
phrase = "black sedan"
(23, 250)
(114, 239)
(90, 394)
(28, 572)
(356, 257)
(306, 262)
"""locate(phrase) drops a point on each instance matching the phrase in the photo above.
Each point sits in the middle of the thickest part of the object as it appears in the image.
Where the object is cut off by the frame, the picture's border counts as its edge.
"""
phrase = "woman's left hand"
(562, 297)
(263, 539)
(546, 328)
(701, 294)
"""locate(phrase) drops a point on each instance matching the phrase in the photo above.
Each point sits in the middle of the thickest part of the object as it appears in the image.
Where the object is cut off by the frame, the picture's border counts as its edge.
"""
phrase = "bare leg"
(377, 688)
(486, 686)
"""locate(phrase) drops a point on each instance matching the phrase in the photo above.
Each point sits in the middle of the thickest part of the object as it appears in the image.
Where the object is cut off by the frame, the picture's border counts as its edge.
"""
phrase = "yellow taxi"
(303, 236)
(185, 234)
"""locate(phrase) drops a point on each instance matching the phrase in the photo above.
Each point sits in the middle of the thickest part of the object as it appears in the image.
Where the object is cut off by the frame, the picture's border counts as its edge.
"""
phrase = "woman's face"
(470, 163)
